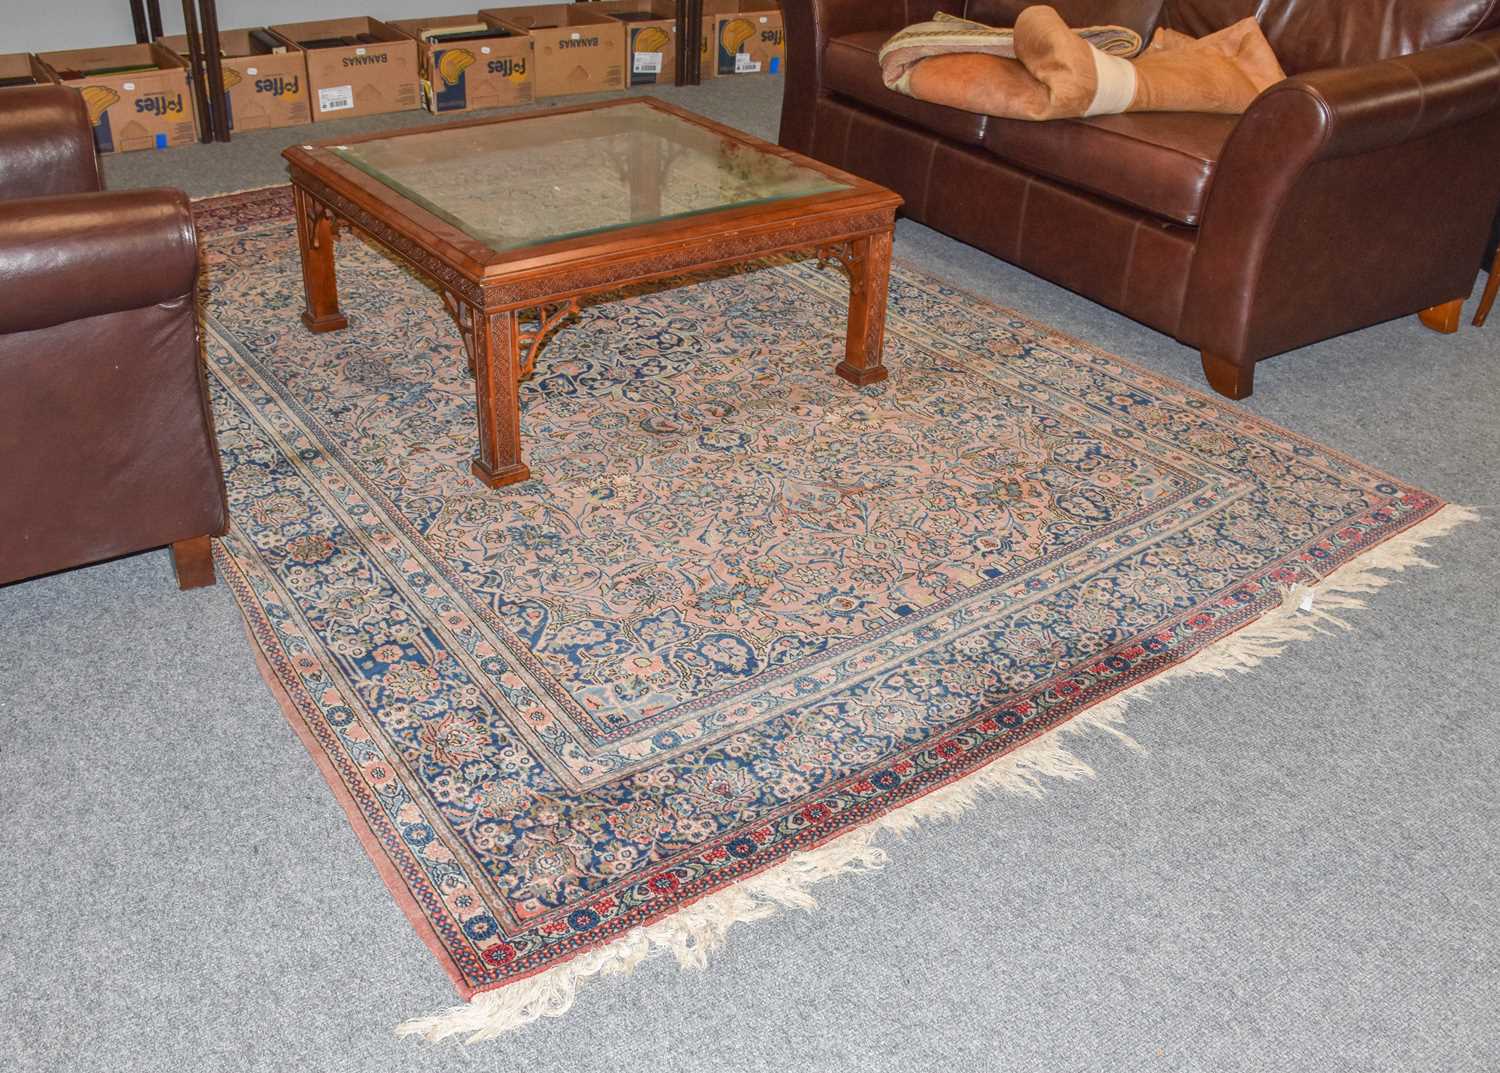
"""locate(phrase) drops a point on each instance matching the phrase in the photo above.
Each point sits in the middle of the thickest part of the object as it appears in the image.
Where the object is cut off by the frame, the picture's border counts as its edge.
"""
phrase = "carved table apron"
(503, 317)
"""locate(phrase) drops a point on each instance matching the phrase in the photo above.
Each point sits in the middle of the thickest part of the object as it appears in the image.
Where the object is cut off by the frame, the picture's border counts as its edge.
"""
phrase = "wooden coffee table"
(516, 219)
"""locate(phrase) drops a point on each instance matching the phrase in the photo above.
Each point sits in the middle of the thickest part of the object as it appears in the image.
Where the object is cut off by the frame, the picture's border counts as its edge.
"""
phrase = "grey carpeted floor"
(1301, 874)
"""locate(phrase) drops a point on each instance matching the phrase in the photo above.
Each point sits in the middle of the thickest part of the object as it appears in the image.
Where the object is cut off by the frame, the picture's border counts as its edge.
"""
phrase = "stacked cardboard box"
(356, 66)
(743, 37)
(263, 87)
(650, 38)
(483, 64)
(137, 95)
(21, 69)
(576, 49)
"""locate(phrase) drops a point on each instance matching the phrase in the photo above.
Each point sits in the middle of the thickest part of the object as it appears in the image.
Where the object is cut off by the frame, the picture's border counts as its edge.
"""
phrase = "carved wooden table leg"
(315, 239)
(493, 344)
(869, 264)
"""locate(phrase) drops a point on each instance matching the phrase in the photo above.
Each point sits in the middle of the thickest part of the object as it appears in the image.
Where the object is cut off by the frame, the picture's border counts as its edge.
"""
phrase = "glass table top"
(530, 181)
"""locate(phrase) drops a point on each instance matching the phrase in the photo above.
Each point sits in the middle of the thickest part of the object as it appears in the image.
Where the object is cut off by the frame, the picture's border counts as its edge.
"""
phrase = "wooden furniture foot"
(315, 240)
(1229, 378)
(1491, 288)
(868, 262)
(1444, 318)
(493, 343)
(193, 560)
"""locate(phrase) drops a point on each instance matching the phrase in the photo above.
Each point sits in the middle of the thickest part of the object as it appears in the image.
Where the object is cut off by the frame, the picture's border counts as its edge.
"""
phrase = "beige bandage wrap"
(1116, 85)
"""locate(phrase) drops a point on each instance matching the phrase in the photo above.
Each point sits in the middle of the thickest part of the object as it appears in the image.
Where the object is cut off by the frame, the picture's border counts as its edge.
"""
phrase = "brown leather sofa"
(1360, 189)
(106, 438)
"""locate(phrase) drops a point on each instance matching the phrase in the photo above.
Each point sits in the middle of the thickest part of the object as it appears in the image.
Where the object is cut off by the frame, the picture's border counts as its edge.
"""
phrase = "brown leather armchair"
(1358, 190)
(106, 438)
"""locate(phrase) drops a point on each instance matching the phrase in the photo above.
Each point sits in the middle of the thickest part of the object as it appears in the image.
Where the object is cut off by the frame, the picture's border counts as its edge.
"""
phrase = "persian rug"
(745, 617)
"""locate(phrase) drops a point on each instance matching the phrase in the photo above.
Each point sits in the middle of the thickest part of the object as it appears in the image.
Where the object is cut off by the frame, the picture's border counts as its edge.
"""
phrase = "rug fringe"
(695, 931)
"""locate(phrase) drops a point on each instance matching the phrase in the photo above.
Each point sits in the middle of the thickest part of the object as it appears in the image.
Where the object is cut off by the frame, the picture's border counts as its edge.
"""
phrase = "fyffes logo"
(279, 86)
(508, 67)
(581, 42)
(772, 37)
(159, 104)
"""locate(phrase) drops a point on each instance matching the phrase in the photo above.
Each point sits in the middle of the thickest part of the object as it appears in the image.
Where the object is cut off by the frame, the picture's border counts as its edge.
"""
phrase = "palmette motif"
(743, 606)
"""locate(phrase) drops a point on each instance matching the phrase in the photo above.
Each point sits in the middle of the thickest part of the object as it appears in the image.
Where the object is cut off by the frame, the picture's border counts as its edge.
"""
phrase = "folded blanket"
(948, 34)
(1044, 70)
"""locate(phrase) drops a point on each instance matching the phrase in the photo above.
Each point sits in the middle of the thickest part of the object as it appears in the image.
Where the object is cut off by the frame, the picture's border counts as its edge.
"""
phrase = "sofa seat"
(851, 69)
(1159, 162)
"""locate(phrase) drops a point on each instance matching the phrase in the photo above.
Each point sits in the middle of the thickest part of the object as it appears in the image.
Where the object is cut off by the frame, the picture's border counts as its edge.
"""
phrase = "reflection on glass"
(529, 181)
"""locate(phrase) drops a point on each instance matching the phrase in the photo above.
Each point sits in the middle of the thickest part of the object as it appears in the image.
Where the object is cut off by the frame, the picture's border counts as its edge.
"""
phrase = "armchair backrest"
(46, 143)
(1311, 34)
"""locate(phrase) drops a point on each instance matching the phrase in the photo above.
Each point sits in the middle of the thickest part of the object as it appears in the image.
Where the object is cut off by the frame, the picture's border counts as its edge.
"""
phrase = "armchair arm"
(46, 143)
(810, 24)
(1346, 197)
(82, 255)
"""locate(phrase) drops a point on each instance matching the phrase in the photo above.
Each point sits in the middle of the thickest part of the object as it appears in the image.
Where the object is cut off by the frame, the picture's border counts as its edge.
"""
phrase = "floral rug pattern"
(741, 606)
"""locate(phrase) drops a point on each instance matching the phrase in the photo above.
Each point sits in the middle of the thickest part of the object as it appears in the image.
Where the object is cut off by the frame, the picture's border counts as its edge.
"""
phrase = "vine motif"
(464, 316)
(530, 340)
(525, 343)
(845, 255)
(313, 211)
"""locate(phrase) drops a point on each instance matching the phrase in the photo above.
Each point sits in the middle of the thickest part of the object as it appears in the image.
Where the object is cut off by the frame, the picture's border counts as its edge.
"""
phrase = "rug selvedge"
(521, 826)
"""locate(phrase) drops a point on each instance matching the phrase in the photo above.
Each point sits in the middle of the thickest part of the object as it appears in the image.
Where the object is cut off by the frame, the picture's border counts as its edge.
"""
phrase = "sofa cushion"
(1160, 162)
(1142, 16)
(1312, 34)
(851, 69)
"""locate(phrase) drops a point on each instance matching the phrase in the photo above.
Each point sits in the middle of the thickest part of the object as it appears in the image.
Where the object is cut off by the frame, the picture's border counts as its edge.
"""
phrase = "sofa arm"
(82, 255)
(46, 143)
(810, 25)
(1348, 196)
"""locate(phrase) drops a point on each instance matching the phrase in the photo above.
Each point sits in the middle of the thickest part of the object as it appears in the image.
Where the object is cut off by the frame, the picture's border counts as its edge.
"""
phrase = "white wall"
(44, 25)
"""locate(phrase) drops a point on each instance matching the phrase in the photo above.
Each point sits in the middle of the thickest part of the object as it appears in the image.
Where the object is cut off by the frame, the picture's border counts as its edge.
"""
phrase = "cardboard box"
(748, 39)
(22, 69)
(261, 89)
(576, 50)
(650, 39)
(376, 71)
(143, 104)
(479, 72)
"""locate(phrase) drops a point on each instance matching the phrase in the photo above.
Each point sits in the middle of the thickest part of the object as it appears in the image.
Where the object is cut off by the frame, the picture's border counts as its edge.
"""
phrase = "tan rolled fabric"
(1043, 69)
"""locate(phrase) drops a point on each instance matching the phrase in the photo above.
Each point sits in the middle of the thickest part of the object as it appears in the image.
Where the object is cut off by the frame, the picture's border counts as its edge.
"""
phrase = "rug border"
(878, 812)
(368, 840)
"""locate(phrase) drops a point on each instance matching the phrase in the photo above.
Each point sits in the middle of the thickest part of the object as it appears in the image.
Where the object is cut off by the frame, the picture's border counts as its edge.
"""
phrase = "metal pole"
(138, 20)
(210, 18)
(199, 73)
(689, 42)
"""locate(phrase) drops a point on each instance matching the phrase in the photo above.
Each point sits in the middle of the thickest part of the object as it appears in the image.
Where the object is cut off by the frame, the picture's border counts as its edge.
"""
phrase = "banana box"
(263, 88)
(21, 69)
(576, 50)
(355, 66)
(137, 95)
(650, 39)
(748, 40)
(468, 61)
